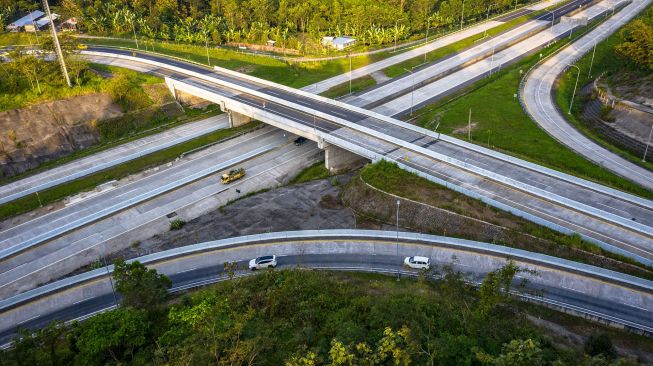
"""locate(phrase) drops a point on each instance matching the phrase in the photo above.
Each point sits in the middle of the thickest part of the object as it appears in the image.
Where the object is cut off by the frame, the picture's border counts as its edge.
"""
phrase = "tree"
(496, 288)
(140, 288)
(114, 335)
(638, 43)
(518, 352)
(600, 345)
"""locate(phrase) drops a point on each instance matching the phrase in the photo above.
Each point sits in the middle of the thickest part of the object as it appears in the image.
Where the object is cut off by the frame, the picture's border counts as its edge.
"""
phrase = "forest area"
(305, 318)
(293, 24)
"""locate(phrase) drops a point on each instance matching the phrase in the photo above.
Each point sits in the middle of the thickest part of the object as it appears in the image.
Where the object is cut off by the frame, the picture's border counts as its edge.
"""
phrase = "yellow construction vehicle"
(233, 175)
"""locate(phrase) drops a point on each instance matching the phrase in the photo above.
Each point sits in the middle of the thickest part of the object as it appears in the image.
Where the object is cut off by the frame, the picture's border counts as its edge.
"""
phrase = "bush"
(600, 344)
(177, 224)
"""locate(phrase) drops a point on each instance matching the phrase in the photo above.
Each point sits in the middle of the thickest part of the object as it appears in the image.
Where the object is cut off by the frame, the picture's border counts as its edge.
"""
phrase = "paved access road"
(52, 245)
(289, 106)
(537, 96)
(110, 157)
(445, 85)
(591, 291)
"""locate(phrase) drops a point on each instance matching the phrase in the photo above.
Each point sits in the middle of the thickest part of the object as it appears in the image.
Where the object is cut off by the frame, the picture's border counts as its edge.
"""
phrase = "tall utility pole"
(57, 46)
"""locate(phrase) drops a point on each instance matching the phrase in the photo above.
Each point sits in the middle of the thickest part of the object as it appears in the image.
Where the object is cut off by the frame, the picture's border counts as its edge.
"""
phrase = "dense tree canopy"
(306, 318)
(638, 41)
(292, 23)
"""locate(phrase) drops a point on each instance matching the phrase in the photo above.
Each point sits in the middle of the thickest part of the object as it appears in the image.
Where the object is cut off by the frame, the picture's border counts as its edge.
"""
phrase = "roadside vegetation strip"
(313, 172)
(389, 178)
(357, 85)
(607, 63)
(340, 311)
(57, 193)
(400, 68)
(499, 122)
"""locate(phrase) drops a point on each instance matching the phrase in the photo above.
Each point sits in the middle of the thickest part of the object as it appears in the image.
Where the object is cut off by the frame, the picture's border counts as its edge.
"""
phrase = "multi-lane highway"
(608, 296)
(619, 221)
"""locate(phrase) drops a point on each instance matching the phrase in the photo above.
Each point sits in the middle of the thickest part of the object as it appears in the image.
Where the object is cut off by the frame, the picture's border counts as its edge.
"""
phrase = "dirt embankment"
(36, 134)
(491, 227)
(32, 135)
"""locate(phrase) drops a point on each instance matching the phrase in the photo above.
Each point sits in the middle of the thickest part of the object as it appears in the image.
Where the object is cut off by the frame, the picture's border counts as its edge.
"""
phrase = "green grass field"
(357, 85)
(499, 122)
(313, 172)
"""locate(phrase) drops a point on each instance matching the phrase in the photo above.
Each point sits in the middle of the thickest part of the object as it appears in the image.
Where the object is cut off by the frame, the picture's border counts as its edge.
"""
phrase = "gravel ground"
(312, 205)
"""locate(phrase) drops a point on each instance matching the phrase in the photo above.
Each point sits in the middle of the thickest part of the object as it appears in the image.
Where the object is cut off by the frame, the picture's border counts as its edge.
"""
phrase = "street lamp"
(412, 92)
(553, 16)
(462, 15)
(589, 73)
(106, 266)
(487, 19)
(398, 202)
(647, 143)
(571, 103)
(350, 73)
(57, 46)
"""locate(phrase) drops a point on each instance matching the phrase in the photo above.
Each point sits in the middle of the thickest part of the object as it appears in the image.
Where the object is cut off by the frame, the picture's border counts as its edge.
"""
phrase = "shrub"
(600, 344)
(177, 224)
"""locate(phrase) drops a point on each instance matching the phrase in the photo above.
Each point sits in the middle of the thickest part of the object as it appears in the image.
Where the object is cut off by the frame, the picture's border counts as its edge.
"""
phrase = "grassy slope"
(606, 61)
(502, 124)
(357, 85)
(400, 68)
(390, 178)
(93, 83)
(59, 192)
(313, 172)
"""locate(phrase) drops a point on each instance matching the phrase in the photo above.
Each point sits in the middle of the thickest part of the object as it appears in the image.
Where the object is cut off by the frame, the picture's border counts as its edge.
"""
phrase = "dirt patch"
(247, 69)
(32, 135)
(311, 205)
(466, 128)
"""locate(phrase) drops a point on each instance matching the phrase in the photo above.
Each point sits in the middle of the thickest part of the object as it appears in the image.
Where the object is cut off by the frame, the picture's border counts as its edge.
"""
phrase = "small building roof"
(45, 20)
(343, 40)
(27, 19)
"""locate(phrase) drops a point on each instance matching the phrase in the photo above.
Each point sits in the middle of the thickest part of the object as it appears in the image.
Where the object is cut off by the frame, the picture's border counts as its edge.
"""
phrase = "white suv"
(418, 262)
(263, 262)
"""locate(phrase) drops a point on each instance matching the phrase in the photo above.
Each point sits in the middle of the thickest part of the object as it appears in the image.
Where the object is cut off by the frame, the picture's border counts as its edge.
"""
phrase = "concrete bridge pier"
(338, 160)
(237, 119)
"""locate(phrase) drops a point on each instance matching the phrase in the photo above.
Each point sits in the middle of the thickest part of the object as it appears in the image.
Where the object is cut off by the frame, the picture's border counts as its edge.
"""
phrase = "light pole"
(350, 73)
(208, 59)
(397, 247)
(57, 46)
(412, 92)
(492, 58)
(462, 15)
(487, 19)
(106, 266)
(571, 103)
(553, 16)
(589, 73)
(647, 143)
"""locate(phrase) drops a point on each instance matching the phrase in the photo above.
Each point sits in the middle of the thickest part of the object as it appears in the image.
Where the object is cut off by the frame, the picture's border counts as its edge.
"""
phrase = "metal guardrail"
(395, 141)
(291, 237)
(74, 224)
(507, 158)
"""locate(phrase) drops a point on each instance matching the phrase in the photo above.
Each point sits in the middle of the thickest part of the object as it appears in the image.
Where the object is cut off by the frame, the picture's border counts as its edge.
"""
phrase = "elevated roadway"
(609, 297)
(375, 136)
(537, 97)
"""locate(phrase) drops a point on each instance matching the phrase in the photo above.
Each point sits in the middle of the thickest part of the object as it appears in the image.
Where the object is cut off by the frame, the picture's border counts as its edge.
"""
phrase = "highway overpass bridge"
(618, 221)
(609, 297)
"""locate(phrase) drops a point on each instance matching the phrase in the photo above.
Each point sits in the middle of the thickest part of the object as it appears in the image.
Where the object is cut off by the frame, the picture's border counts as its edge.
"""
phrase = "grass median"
(54, 194)
(500, 123)
(343, 89)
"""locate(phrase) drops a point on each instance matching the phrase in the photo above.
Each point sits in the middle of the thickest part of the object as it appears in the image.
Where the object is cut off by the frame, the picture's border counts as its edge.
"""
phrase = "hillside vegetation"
(301, 317)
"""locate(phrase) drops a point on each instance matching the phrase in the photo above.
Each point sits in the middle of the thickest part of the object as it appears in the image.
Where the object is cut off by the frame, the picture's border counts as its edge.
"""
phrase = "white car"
(263, 262)
(418, 262)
